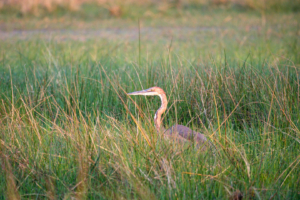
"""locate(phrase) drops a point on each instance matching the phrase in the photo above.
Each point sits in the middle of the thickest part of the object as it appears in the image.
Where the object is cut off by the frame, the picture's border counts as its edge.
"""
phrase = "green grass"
(68, 129)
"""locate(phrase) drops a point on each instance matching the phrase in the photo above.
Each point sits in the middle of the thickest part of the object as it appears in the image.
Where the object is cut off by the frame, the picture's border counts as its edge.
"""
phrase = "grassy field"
(68, 129)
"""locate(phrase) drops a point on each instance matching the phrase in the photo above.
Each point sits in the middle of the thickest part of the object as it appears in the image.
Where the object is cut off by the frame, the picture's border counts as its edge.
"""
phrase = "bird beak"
(142, 92)
(146, 92)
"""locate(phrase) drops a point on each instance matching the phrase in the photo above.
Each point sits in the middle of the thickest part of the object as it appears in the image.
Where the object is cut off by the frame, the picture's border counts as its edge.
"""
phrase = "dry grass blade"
(50, 187)
(11, 188)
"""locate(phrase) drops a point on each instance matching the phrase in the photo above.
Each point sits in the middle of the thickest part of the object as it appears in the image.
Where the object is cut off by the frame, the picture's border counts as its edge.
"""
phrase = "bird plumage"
(179, 132)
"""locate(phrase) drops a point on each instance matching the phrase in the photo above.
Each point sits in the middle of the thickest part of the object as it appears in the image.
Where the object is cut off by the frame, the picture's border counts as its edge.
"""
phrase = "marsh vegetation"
(68, 129)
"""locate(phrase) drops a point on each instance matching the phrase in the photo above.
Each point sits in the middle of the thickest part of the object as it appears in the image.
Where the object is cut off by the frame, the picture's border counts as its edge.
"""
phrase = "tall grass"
(68, 129)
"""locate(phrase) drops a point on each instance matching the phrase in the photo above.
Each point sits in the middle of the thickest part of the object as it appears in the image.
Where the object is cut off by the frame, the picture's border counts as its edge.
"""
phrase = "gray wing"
(186, 133)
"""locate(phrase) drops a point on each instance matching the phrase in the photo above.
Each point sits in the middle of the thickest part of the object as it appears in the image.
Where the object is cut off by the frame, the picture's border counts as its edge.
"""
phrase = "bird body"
(178, 132)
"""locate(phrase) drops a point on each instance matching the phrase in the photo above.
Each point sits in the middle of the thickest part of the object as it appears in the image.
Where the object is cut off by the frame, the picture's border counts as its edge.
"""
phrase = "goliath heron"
(179, 132)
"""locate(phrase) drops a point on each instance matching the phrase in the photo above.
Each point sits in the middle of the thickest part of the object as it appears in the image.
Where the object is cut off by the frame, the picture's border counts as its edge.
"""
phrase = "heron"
(179, 132)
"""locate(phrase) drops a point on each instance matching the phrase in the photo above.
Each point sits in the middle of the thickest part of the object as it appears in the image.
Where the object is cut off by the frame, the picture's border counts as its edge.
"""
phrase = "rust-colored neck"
(159, 112)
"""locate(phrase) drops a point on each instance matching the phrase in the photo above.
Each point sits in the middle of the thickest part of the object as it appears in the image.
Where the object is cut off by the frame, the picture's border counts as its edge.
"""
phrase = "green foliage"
(68, 129)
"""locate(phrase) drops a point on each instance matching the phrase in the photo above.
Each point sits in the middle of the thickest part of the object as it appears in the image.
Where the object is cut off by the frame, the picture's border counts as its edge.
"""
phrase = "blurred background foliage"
(118, 7)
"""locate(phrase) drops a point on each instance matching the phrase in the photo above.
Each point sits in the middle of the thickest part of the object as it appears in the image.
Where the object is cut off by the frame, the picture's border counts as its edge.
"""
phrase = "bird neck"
(159, 112)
